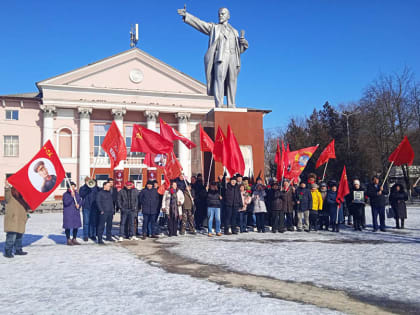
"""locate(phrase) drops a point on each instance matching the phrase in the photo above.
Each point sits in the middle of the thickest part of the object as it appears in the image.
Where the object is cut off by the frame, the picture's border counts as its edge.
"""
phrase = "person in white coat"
(259, 207)
(172, 202)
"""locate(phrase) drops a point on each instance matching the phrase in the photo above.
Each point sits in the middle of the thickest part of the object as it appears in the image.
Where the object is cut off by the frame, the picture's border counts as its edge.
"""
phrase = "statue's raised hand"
(182, 12)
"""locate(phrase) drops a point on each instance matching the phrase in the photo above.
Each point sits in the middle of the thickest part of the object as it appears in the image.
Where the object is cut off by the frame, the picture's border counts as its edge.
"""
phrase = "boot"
(75, 242)
(20, 252)
(8, 254)
(144, 237)
(69, 242)
(402, 223)
(397, 223)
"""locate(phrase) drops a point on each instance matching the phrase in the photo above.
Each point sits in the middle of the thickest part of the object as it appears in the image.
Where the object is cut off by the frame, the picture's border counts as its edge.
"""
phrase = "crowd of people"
(229, 205)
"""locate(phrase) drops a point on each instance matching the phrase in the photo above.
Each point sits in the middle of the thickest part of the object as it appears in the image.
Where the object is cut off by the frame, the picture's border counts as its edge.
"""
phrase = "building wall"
(28, 127)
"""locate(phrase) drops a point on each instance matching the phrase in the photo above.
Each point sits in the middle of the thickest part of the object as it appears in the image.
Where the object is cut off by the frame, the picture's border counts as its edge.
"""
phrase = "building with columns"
(75, 109)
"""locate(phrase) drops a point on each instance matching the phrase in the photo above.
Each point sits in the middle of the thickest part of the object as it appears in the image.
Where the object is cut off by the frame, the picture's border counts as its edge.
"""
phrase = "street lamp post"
(347, 115)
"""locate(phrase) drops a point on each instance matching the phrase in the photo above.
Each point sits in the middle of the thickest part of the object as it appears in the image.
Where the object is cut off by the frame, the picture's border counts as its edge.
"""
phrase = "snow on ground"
(378, 264)
(91, 279)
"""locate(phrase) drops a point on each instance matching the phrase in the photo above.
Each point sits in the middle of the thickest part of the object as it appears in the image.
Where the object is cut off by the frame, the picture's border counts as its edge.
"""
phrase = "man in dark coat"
(200, 197)
(303, 205)
(288, 204)
(233, 201)
(188, 211)
(376, 193)
(397, 199)
(276, 206)
(355, 201)
(90, 210)
(105, 204)
(128, 204)
(149, 204)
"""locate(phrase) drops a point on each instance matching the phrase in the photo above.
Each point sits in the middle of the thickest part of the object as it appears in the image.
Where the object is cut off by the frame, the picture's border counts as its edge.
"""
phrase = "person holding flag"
(15, 220)
(332, 204)
(377, 196)
(71, 213)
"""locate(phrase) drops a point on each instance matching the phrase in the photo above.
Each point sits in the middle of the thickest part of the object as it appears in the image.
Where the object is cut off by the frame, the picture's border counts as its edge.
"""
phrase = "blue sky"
(301, 53)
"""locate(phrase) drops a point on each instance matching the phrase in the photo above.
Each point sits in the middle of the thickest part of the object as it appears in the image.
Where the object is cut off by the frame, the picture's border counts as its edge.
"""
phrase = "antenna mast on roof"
(134, 35)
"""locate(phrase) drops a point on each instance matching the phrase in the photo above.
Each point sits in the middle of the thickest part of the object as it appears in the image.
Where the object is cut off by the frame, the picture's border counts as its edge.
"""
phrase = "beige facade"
(74, 109)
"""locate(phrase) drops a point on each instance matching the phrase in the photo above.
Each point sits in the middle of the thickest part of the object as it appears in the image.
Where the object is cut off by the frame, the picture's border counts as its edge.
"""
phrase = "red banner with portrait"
(39, 177)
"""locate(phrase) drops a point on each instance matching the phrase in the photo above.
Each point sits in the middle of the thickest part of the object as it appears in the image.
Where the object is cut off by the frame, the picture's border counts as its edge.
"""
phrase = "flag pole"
(417, 181)
(71, 188)
(211, 164)
(336, 215)
(94, 167)
(387, 174)
(325, 169)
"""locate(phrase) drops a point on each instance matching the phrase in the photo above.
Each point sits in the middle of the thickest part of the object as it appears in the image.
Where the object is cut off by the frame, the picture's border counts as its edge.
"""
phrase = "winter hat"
(314, 186)
(150, 182)
(129, 183)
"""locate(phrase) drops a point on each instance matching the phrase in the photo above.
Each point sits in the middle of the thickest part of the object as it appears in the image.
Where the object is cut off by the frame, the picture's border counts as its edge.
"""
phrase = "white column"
(183, 151)
(151, 117)
(119, 120)
(84, 143)
(48, 123)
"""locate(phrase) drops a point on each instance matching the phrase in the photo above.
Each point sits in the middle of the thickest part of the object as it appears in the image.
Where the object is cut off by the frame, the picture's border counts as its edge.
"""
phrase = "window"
(12, 115)
(63, 183)
(128, 136)
(101, 179)
(99, 133)
(65, 143)
(11, 145)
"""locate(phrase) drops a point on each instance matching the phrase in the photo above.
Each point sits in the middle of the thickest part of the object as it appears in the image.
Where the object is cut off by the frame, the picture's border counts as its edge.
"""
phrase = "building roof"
(120, 53)
(23, 95)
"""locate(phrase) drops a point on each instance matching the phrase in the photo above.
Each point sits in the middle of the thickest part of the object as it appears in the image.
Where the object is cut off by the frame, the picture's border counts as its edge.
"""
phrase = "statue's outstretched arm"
(202, 26)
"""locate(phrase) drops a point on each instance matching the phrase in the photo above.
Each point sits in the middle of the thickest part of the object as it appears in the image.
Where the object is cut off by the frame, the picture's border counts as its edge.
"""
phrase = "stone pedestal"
(247, 125)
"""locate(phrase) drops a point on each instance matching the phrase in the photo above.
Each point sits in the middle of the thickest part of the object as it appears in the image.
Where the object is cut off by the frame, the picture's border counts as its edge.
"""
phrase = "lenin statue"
(223, 57)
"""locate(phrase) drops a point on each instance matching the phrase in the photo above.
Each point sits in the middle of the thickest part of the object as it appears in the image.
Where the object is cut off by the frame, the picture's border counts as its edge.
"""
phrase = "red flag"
(219, 150)
(39, 177)
(148, 141)
(207, 145)
(114, 145)
(298, 160)
(328, 153)
(343, 188)
(403, 154)
(172, 134)
(172, 169)
(279, 160)
(286, 162)
(235, 163)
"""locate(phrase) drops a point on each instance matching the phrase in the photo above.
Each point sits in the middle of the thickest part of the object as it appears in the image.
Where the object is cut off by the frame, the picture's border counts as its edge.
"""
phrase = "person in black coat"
(105, 204)
(355, 201)
(232, 201)
(128, 204)
(276, 205)
(303, 205)
(90, 210)
(377, 196)
(200, 202)
(213, 209)
(149, 204)
(397, 199)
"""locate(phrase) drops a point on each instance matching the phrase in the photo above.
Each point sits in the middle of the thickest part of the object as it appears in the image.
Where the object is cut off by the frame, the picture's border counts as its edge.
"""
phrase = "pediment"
(133, 70)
